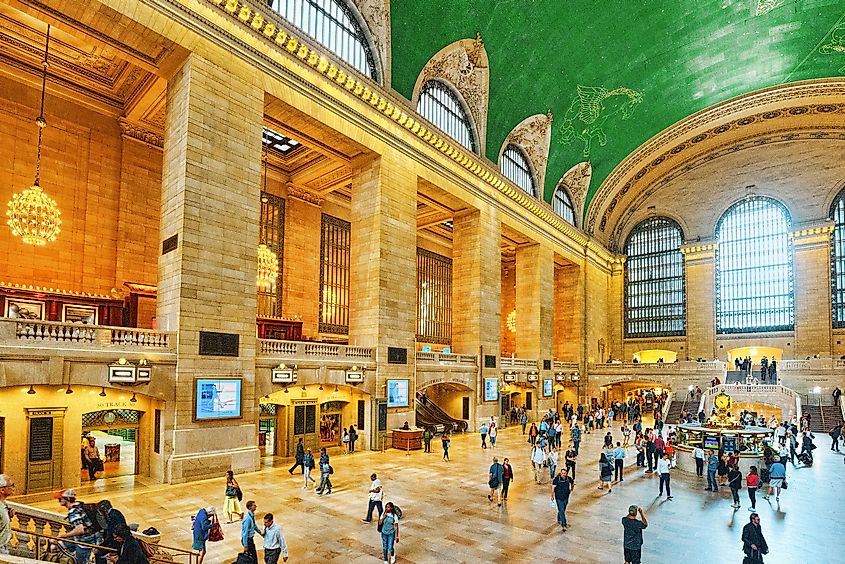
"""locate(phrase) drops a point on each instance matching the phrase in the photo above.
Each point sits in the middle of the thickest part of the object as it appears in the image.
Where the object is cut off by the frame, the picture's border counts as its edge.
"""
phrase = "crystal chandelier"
(511, 321)
(268, 268)
(33, 215)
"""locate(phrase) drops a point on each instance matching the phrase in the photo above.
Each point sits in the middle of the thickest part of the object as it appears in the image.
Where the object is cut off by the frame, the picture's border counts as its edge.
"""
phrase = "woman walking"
(532, 434)
(446, 439)
(753, 482)
(735, 484)
(345, 441)
(388, 524)
(538, 457)
(232, 505)
(553, 458)
(605, 472)
(307, 466)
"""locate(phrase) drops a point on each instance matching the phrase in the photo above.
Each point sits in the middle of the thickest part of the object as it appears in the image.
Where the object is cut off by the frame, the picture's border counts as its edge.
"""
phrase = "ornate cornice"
(576, 180)
(689, 249)
(304, 194)
(817, 235)
(672, 143)
(135, 131)
(534, 136)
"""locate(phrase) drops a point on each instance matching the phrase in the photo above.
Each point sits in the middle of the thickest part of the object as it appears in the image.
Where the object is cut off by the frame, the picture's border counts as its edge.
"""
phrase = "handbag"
(784, 485)
(231, 491)
(331, 470)
(215, 534)
(240, 494)
(493, 483)
(244, 558)
(98, 465)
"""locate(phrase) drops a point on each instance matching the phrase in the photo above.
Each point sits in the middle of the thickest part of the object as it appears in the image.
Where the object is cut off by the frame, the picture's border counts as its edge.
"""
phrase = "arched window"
(440, 105)
(335, 26)
(562, 204)
(515, 166)
(837, 260)
(754, 288)
(654, 280)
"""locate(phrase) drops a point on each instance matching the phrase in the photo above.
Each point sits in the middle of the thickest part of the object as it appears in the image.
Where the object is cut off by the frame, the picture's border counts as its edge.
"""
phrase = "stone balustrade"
(43, 334)
(309, 351)
(446, 359)
(519, 363)
(562, 366)
(787, 399)
(680, 366)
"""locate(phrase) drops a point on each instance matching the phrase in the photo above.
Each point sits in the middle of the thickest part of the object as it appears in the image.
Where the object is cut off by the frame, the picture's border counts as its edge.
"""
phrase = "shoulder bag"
(231, 491)
(215, 534)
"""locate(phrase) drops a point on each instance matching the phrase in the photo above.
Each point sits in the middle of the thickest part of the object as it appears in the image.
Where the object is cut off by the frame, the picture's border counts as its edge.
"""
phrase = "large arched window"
(654, 280)
(515, 166)
(562, 204)
(442, 106)
(335, 26)
(837, 260)
(754, 289)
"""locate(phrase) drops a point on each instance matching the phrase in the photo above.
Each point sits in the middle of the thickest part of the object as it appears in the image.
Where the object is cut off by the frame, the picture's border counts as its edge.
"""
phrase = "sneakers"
(777, 498)
(366, 520)
(393, 559)
(668, 497)
(752, 509)
(489, 497)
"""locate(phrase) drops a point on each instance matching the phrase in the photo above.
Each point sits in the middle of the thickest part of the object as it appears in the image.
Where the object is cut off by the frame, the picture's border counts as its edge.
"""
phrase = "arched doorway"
(116, 433)
(649, 395)
(445, 403)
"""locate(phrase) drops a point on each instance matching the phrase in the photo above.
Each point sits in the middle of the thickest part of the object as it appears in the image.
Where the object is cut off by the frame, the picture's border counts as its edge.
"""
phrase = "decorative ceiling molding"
(464, 65)
(137, 132)
(577, 182)
(301, 193)
(661, 154)
(376, 14)
(534, 136)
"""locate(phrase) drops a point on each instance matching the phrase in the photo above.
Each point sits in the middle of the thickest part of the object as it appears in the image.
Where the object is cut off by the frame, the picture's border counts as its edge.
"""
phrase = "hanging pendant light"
(33, 215)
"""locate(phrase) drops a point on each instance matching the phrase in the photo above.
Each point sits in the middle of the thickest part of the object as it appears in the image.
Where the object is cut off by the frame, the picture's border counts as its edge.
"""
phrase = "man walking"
(375, 495)
(698, 456)
(325, 471)
(248, 530)
(835, 433)
(427, 440)
(712, 467)
(274, 541)
(663, 466)
(753, 543)
(494, 480)
(632, 542)
(618, 462)
(7, 488)
(576, 437)
(483, 431)
(82, 528)
(300, 456)
(562, 486)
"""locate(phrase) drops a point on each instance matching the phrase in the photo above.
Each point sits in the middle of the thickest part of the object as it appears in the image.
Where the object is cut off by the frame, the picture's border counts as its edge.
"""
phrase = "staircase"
(675, 410)
(430, 415)
(816, 418)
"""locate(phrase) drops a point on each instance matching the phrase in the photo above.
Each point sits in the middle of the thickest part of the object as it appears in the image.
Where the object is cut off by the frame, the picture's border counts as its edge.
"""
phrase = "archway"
(115, 433)
(441, 404)
(651, 356)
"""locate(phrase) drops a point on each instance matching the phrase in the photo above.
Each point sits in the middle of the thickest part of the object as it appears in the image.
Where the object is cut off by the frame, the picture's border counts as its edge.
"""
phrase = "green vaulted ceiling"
(641, 65)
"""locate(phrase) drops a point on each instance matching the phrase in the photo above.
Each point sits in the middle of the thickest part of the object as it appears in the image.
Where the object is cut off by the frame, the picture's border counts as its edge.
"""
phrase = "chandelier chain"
(41, 121)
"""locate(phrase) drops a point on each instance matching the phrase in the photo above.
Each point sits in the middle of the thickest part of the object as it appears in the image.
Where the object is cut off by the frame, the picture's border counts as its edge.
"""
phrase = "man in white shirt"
(274, 541)
(698, 455)
(375, 494)
(663, 466)
(7, 488)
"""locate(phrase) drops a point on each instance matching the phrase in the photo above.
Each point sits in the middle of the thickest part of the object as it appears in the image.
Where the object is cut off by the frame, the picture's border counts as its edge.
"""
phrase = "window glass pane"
(332, 24)
(271, 232)
(335, 251)
(562, 205)
(440, 105)
(515, 166)
(654, 280)
(434, 297)
(837, 260)
(754, 286)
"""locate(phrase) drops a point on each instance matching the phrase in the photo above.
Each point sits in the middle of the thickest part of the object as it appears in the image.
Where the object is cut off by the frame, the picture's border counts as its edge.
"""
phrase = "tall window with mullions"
(654, 280)
(335, 255)
(335, 25)
(440, 104)
(434, 297)
(837, 260)
(754, 280)
(271, 232)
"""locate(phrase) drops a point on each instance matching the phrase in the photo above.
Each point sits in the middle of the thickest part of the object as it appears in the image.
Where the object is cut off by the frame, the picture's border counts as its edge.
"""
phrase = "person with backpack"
(427, 440)
(326, 470)
(353, 436)
(129, 550)
(388, 526)
(494, 480)
(203, 523)
(113, 519)
(85, 525)
(835, 433)
(735, 484)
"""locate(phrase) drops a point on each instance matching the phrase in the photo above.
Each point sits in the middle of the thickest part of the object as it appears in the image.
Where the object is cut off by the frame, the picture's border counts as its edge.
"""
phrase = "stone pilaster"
(535, 276)
(700, 271)
(383, 263)
(569, 301)
(476, 295)
(300, 293)
(210, 200)
(811, 248)
(616, 309)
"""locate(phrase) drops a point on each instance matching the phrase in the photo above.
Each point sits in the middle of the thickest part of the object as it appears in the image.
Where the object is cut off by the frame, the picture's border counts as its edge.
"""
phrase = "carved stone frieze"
(464, 65)
(534, 136)
(304, 194)
(137, 132)
(376, 14)
(577, 183)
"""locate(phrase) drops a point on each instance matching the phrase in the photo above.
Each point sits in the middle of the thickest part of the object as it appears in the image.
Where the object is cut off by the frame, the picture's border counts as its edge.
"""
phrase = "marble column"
(813, 333)
(700, 271)
(535, 275)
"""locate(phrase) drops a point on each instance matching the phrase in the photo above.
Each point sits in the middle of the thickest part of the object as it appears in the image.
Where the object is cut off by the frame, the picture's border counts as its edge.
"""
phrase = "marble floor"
(447, 517)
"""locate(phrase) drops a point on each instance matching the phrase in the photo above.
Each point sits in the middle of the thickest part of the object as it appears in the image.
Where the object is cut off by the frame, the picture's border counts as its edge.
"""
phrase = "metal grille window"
(440, 105)
(562, 204)
(837, 260)
(335, 252)
(754, 286)
(515, 166)
(434, 297)
(271, 232)
(654, 280)
(334, 25)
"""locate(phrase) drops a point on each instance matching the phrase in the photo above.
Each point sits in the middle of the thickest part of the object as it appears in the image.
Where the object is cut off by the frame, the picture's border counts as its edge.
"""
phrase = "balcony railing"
(24, 332)
(300, 350)
(686, 365)
(446, 359)
(560, 365)
(524, 363)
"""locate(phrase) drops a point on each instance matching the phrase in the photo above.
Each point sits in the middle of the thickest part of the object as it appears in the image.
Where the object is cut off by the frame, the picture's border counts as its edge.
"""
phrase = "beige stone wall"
(700, 270)
(568, 303)
(301, 269)
(508, 300)
(534, 301)
(812, 295)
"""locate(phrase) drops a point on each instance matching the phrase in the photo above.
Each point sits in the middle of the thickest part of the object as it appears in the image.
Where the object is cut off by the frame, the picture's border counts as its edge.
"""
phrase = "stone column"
(700, 271)
(616, 310)
(535, 276)
(569, 301)
(210, 201)
(383, 273)
(301, 296)
(811, 247)
(476, 296)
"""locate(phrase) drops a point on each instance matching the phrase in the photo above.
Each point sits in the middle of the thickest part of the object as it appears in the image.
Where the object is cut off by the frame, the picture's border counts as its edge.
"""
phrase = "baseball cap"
(632, 510)
(66, 494)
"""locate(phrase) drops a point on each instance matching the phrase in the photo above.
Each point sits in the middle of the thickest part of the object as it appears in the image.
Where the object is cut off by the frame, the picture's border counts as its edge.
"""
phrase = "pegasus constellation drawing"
(836, 43)
(766, 6)
(590, 110)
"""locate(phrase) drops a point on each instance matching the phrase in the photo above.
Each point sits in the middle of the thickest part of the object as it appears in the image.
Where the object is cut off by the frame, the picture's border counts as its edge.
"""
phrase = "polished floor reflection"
(447, 517)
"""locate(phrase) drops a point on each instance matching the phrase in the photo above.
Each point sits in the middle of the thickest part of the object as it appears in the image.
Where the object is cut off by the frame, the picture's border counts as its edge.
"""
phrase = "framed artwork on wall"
(24, 309)
(84, 314)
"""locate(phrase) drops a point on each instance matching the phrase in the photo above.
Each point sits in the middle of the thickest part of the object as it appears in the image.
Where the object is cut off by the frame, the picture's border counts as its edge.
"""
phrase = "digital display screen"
(218, 398)
(491, 389)
(397, 393)
(711, 443)
(547, 388)
(729, 444)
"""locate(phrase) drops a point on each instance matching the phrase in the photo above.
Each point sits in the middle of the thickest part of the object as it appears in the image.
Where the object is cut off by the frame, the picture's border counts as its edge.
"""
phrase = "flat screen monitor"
(711, 443)
(547, 388)
(217, 398)
(729, 444)
(491, 389)
(397, 393)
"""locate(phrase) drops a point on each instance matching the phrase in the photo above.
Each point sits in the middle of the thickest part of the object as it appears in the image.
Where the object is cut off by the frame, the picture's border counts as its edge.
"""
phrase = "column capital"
(811, 235)
(699, 251)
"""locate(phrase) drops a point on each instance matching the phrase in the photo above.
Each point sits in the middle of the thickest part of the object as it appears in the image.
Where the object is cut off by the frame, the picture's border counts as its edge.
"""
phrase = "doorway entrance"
(115, 432)
(331, 423)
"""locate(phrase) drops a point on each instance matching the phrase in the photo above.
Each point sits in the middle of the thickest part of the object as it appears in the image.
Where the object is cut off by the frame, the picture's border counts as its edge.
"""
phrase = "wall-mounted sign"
(510, 377)
(143, 373)
(122, 373)
(217, 398)
(491, 389)
(397, 393)
(560, 377)
(533, 377)
(282, 376)
(354, 376)
(547, 388)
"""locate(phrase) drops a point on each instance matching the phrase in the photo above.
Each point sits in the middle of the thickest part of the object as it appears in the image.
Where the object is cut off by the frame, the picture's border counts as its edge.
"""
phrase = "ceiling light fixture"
(33, 215)
(268, 268)
(132, 399)
(31, 390)
(102, 391)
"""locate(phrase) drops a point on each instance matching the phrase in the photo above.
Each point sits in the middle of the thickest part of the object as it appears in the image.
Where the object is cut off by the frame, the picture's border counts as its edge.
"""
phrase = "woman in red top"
(753, 482)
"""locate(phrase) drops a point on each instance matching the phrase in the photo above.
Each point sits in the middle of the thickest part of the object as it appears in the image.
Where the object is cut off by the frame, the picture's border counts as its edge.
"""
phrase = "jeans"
(561, 511)
(374, 504)
(552, 469)
(570, 466)
(640, 458)
(295, 464)
(427, 443)
(577, 445)
(306, 473)
(699, 467)
(649, 455)
(664, 479)
(735, 494)
(271, 555)
(618, 465)
(83, 553)
(92, 472)
(483, 440)
(752, 495)
(711, 479)
(387, 544)
(252, 551)
(506, 482)
(523, 428)
(325, 482)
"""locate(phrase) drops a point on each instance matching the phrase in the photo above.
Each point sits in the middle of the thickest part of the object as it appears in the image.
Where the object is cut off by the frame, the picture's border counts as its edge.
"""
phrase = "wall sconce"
(133, 399)
(31, 390)
(286, 390)
(102, 391)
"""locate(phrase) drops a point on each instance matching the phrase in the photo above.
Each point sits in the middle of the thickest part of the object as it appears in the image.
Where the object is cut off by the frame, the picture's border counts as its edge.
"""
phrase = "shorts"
(198, 545)
(776, 482)
(633, 555)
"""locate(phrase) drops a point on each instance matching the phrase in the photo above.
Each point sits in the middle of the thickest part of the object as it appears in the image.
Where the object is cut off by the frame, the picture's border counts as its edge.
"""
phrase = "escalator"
(432, 417)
